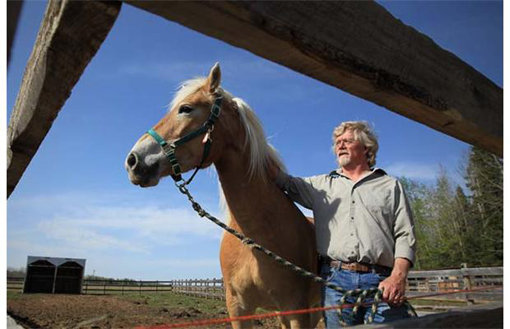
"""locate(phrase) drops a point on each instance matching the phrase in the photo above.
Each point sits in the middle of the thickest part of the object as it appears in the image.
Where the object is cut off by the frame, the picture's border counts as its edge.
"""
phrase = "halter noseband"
(170, 146)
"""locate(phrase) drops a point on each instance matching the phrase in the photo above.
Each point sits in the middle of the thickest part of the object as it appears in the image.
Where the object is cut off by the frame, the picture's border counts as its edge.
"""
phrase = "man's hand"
(394, 287)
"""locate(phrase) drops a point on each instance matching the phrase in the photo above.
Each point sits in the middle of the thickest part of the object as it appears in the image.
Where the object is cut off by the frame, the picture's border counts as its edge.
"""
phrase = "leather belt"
(355, 266)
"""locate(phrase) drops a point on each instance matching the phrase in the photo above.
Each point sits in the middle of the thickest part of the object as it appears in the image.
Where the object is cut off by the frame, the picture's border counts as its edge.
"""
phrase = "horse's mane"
(261, 152)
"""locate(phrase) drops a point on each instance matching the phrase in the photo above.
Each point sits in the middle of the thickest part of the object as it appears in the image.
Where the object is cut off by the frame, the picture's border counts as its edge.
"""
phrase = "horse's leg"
(284, 322)
(299, 321)
(235, 308)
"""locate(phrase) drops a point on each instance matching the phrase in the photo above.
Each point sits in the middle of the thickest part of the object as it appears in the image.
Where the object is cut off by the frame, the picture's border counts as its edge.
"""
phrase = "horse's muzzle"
(140, 173)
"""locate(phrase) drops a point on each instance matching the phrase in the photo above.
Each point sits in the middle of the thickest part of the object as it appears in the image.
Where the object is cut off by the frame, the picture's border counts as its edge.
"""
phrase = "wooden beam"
(70, 35)
(13, 11)
(359, 47)
(476, 316)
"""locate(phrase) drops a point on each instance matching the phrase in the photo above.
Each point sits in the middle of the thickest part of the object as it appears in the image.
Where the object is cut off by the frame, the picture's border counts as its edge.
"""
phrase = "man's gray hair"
(364, 133)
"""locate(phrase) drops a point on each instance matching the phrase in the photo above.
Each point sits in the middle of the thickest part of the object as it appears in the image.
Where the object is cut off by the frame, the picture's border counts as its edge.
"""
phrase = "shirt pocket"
(379, 208)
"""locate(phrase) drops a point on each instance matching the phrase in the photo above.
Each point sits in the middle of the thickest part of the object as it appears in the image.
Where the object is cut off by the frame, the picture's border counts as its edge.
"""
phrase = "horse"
(205, 126)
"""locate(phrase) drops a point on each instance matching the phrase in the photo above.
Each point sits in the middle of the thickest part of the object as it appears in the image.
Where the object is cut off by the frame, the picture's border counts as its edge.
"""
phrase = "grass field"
(115, 311)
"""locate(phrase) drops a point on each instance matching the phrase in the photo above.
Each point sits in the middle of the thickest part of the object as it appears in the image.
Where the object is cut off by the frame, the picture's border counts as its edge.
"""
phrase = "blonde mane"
(185, 89)
(261, 152)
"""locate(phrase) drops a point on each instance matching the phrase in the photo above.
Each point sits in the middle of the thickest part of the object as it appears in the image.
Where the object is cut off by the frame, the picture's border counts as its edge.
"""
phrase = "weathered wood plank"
(70, 35)
(361, 48)
(478, 316)
(13, 11)
(458, 272)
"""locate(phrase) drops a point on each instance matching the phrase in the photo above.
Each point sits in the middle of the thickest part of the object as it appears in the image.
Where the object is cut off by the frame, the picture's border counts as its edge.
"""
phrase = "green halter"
(170, 146)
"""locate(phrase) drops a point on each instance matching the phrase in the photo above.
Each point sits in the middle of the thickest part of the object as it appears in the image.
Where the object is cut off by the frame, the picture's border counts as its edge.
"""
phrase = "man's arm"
(394, 287)
(405, 245)
(298, 189)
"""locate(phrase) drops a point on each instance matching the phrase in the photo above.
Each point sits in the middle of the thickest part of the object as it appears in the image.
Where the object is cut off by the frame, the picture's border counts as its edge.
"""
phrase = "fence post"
(466, 278)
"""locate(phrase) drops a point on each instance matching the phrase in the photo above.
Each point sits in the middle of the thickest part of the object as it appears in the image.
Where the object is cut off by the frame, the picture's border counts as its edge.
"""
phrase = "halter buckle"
(207, 136)
(176, 169)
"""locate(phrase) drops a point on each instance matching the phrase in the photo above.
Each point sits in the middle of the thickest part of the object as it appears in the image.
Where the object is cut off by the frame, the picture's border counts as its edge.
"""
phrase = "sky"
(75, 199)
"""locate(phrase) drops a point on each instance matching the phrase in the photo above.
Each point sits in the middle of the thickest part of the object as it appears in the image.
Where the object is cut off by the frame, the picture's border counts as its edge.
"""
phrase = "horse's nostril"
(132, 160)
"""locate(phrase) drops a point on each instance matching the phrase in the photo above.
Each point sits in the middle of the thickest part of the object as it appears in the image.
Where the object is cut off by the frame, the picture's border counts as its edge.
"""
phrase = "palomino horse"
(184, 139)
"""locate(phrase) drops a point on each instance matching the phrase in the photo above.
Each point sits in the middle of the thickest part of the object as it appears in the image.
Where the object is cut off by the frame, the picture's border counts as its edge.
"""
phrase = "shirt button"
(352, 201)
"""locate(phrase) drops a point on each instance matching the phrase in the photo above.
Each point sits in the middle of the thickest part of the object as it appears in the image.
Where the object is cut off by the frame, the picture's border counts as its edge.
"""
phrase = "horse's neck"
(250, 201)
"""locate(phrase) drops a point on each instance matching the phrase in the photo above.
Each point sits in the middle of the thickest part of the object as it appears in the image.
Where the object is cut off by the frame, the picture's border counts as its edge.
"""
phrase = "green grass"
(173, 300)
(11, 295)
(168, 300)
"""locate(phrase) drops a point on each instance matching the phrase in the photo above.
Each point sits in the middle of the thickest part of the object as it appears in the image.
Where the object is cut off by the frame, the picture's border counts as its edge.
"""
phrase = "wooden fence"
(206, 288)
(419, 283)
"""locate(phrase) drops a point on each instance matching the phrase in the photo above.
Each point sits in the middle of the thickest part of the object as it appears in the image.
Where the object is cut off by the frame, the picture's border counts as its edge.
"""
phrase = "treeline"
(456, 225)
(102, 278)
(20, 273)
(16, 272)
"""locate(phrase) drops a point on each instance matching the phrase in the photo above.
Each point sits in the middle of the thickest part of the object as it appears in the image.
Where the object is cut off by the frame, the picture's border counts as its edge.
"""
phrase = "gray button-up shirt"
(367, 221)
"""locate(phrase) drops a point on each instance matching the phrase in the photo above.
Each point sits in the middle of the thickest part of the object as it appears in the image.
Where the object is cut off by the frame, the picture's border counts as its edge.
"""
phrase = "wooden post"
(467, 282)
(70, 35)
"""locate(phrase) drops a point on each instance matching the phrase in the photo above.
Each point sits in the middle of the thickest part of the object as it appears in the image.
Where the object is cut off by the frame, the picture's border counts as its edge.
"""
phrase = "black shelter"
(54, 275)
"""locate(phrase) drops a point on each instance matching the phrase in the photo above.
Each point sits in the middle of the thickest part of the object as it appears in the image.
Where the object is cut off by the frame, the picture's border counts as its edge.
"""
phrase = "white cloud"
(78, 235)
(83, 224)
(412, 170)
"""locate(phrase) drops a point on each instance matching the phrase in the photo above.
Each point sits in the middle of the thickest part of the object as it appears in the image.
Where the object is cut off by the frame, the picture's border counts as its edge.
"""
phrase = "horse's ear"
(214, 78)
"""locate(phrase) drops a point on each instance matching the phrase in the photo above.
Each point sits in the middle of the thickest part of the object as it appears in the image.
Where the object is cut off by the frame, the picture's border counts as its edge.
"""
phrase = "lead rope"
(361, 294)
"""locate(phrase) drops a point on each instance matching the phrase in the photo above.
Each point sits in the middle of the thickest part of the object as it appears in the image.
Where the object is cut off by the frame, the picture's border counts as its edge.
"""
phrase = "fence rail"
(419, 283)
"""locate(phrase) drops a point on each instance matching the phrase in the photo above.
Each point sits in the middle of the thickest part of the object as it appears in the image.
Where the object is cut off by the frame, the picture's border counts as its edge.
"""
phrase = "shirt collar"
(374, 171)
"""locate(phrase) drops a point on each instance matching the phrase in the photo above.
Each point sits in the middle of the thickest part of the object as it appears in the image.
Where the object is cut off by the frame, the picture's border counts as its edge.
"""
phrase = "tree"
(455, 225)
(418, 195)
(484, 177)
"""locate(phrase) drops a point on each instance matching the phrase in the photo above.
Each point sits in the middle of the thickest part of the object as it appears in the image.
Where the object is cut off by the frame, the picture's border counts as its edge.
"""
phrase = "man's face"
(349, 151)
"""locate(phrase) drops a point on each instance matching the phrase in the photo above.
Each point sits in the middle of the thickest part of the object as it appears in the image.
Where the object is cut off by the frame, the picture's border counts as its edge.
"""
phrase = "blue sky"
(75, 199)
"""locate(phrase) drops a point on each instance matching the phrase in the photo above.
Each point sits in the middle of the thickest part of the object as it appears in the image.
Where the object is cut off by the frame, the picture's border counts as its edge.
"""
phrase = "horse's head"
(181, 140)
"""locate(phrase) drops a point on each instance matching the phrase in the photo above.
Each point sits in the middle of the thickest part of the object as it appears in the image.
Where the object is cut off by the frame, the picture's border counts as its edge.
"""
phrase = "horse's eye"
(185, 109)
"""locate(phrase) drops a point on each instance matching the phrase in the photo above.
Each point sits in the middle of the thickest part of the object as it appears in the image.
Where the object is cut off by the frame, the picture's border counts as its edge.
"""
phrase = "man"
(364, 226)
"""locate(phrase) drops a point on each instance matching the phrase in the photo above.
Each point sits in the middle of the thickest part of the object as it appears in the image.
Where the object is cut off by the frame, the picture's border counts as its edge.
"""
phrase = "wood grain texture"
(359, 47)
(70, 35)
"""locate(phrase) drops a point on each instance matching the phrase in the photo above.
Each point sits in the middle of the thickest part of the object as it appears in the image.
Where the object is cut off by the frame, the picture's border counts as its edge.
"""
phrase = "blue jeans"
(349, 280)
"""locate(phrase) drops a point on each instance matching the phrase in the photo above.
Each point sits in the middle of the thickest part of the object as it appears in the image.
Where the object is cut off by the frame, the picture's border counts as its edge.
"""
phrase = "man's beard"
(344, 160)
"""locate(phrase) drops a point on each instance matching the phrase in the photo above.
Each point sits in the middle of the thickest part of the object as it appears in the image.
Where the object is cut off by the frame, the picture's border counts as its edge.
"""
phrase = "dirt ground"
(94, 312)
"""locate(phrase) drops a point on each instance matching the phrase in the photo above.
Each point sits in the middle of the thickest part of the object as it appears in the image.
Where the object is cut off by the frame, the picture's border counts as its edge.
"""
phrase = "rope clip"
(207, 136)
